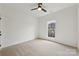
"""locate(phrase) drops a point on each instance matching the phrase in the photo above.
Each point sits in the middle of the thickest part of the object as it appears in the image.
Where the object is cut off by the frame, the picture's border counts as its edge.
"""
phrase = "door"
(0, 32)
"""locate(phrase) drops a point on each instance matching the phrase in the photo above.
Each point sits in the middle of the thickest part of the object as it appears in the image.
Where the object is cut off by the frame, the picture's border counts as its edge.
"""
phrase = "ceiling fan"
(39, 8)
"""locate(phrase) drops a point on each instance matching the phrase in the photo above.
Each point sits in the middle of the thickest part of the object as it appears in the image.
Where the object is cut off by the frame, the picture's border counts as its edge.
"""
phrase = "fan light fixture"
(39, 9)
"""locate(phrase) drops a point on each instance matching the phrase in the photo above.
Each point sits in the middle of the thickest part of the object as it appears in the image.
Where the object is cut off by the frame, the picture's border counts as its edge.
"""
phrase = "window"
(51, 28)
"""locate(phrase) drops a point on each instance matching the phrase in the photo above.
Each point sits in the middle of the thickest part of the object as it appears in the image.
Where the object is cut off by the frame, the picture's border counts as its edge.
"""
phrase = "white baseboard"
(59, 43)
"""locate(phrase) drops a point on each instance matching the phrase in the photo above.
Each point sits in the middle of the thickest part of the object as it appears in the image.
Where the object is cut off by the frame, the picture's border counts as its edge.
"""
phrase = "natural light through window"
(51, 28)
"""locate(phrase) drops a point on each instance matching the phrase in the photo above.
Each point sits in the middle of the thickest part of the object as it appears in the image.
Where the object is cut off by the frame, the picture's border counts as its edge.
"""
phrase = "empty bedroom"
(39, 29)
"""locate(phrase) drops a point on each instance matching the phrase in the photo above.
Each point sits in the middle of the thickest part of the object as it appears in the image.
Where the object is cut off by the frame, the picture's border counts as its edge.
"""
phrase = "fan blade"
(39, 4)
(44, 10)
(34, 9)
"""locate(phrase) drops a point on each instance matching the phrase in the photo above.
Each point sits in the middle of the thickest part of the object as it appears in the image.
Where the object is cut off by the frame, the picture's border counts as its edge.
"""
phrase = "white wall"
(66, 26)
(19, 25)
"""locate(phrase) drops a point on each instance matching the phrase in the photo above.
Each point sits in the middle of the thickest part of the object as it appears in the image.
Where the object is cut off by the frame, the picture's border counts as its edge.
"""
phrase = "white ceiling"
(50, 7)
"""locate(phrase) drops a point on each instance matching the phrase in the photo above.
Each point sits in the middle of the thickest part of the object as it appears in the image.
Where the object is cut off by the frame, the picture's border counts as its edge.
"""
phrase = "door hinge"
(0, 45)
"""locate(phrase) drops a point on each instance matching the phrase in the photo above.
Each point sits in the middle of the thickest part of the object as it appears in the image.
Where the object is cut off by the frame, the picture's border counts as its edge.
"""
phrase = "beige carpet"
(38, 48)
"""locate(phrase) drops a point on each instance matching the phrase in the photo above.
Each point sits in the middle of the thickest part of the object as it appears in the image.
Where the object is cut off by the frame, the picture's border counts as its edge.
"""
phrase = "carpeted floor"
(38, 47)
